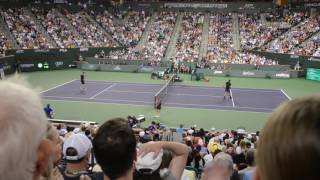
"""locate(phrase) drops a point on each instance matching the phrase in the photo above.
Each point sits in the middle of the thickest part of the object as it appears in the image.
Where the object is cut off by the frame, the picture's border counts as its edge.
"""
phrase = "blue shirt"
(248, 175)
(48, 110)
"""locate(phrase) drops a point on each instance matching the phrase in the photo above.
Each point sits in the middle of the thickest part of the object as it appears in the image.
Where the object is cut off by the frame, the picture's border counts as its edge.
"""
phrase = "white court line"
(286, 94)
(169, 107)
(98, 99)
(58, 86)
(238, 89)
(232, 98)
(148, 102)
(136, 92)
(104, 90)
(175, 94)
(123, 83)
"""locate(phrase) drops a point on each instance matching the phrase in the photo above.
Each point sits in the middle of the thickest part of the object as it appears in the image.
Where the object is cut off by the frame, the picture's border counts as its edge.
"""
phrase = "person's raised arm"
(179, 150)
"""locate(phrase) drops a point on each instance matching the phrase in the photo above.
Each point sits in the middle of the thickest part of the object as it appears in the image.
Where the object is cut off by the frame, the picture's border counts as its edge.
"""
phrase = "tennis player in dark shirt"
(158, 108)
(82, 81)
(227, 90)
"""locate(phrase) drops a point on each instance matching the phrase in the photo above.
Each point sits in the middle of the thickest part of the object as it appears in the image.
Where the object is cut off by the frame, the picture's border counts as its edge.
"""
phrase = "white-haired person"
(24, 149)
(220, 168)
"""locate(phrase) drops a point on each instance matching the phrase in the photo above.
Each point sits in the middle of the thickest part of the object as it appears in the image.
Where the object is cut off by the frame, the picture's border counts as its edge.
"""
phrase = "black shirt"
(228, 85)
(82, 78)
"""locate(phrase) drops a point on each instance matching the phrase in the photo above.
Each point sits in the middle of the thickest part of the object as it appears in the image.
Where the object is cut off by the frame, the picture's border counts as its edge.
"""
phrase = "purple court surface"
(181, 96)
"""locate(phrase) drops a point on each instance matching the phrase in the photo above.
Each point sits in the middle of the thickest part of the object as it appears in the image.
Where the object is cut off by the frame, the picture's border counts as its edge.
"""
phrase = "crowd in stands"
(128, 33)
(296, 36)
(221, 48)
(189, 40)
(95, 35)
(220, 38)
(286, 148)
(24, 29)
(293, 32)
(255, 32)
(4, 43)
(159, 36)
(311, 47)
(59, 30)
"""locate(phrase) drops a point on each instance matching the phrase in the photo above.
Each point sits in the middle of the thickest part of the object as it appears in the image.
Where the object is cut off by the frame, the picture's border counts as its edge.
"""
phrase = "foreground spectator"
(55, 140)
(289, 143)
(77, 149)
(115, 149)
(220, 168)
(24, 151)
(148, 168)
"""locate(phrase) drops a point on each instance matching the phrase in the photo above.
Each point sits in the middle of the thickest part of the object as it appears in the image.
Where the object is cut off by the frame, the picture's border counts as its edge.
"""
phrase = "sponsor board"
(248, 73)
(7, 67)
(63, 50)
(58, 63)
(283, 75)
(84, 49)
(117, 68)
(217, 72)
(41, 50)
(26, 65)
(92, 66)
(294, 56)
(314, 59)
(20, 51)
(147, 69)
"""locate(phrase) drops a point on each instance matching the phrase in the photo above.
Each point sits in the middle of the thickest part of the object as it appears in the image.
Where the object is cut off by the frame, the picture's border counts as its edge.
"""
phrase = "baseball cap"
(148, 163)
(80, 143)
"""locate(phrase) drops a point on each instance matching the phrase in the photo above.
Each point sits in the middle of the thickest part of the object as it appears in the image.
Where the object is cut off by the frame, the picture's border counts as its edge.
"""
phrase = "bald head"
(22, 130)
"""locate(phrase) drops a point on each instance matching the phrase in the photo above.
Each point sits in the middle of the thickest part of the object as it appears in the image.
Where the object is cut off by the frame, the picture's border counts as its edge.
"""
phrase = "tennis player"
(227, 90)
(158, 107)
(82, 85)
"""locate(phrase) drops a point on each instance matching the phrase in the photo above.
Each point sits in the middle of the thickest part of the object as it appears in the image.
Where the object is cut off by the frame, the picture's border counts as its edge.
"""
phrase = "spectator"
(249, 162)
(53, 137)
(2, 76)
(24, 154)
(77, 150)
(115, 149)
(289, 142)
(220, 168)
(146, 164)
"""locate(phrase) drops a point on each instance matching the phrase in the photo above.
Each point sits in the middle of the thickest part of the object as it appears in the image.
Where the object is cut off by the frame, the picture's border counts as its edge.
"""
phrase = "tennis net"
(161, 94)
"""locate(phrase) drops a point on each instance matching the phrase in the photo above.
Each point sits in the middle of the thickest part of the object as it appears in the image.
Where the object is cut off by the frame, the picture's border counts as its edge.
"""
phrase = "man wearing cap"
(76, 151)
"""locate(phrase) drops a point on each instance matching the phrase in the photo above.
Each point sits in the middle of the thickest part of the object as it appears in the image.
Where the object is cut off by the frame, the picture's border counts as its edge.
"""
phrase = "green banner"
(313, 74)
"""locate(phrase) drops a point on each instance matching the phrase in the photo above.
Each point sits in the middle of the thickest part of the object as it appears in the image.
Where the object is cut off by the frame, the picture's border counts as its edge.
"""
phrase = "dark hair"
(146, 176)
(70, 128)
(250, 157)
(73, 152)
(166, 159)
(115, 147)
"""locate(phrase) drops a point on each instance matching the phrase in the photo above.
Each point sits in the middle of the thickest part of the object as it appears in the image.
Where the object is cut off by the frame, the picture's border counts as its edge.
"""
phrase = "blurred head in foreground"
(24, 150)
(289, 145)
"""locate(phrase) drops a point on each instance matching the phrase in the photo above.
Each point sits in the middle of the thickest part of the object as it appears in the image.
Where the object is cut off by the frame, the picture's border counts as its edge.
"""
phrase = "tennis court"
(182, 96)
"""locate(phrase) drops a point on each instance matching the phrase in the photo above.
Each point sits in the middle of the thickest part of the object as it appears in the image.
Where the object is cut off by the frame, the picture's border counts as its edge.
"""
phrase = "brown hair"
(289, 145)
